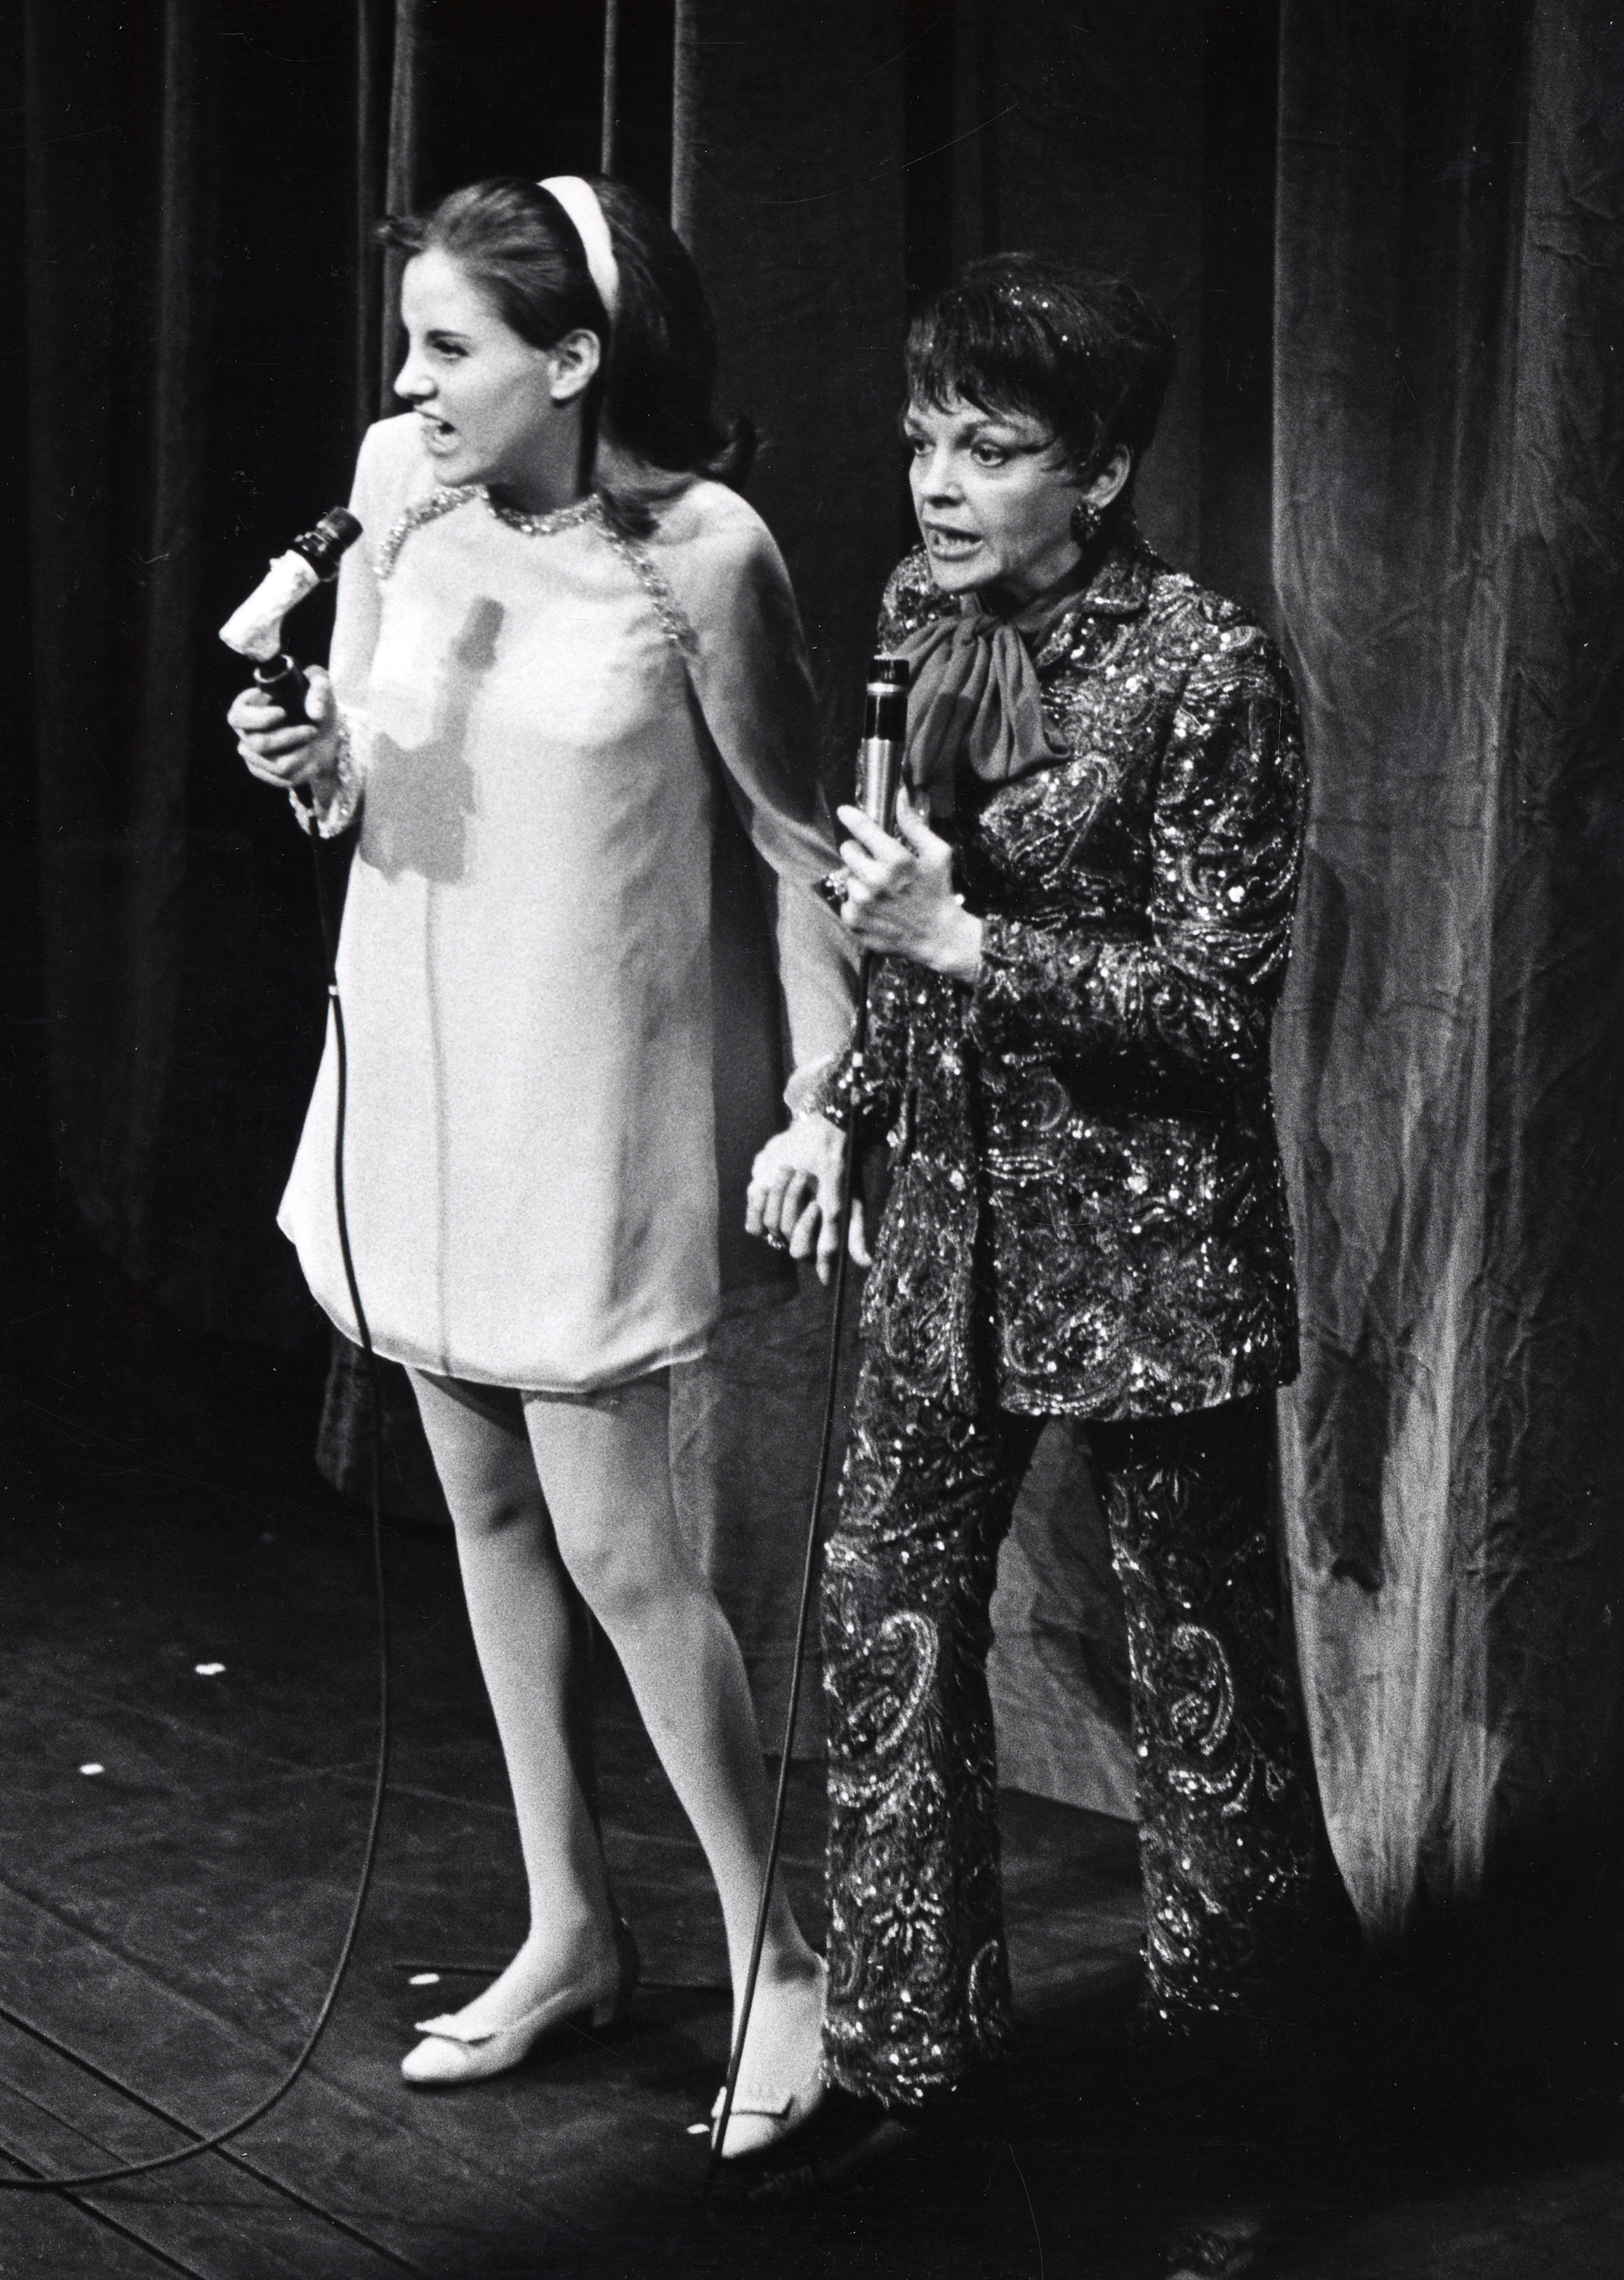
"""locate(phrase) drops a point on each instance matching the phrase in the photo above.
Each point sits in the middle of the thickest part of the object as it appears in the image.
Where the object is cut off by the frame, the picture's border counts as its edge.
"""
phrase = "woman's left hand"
(797, 1186)
(900, 897)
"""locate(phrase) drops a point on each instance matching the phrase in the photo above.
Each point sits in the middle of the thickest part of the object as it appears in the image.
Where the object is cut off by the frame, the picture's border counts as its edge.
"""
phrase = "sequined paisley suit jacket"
(1086, 1214)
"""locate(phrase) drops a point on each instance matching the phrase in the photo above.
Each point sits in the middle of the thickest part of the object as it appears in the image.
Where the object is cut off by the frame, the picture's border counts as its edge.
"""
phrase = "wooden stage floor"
(167, 1924)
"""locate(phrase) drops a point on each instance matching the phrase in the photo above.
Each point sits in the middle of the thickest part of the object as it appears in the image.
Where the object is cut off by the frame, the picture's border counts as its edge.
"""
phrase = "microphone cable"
(848, 1161)
(881, 758)
(118, 2174)
(218, 2138)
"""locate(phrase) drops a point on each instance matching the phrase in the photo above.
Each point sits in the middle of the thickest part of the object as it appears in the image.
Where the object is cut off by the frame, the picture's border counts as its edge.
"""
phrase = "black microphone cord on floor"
(81, 2180)
(718, 2133)
(322, 856)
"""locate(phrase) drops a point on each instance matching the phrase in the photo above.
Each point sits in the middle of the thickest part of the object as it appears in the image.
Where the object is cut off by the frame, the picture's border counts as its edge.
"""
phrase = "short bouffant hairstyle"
(1085, 353)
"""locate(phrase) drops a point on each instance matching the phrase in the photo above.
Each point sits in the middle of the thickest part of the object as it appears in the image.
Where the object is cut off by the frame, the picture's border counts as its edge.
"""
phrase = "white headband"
(579, 200)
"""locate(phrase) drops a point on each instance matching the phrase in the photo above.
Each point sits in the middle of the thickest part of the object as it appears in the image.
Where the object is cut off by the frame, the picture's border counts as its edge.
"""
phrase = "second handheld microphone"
(885, 737)
(880, 758)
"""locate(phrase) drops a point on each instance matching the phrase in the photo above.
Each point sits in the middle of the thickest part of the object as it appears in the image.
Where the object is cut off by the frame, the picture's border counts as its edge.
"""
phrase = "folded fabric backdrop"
(1385, 236)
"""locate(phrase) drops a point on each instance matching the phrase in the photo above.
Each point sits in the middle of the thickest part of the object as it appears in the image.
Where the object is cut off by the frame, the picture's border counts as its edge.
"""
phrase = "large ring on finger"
(776, 1242)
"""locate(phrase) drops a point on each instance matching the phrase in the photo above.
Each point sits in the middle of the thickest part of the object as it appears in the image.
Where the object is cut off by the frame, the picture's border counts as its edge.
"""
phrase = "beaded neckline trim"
(674, 621)
(450, 497)
(542, 525)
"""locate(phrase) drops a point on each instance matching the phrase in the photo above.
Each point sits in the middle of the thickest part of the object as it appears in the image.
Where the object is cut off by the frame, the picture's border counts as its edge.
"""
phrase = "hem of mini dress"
(388, 1348)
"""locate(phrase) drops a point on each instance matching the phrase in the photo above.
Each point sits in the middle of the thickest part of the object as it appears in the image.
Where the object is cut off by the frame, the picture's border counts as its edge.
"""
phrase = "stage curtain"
(1448, 418)
(786, 189)
(194, 178)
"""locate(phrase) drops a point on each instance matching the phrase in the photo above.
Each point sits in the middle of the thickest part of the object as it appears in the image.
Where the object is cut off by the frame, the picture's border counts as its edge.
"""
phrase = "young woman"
(1082, 921)
(558, 643)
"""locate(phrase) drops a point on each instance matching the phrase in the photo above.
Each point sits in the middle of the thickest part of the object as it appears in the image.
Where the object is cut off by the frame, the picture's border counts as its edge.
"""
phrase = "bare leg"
(527, 1626)
(604, 1467)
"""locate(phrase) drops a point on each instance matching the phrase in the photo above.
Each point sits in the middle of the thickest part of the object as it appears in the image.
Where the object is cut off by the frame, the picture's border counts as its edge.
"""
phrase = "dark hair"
(653, 392)
(1087, 354)
(662, 361)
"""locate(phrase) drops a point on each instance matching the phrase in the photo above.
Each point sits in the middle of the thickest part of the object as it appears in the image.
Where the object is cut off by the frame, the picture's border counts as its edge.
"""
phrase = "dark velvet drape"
(1450, 416)
(1416, 203)
(192, 362)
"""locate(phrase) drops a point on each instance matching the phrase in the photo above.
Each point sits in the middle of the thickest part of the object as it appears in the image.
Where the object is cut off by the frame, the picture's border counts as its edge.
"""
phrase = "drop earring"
(1086, 521)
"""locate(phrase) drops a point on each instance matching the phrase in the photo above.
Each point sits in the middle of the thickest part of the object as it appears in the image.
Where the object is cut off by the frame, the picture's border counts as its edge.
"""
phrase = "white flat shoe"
(759, 2121)
(754, 2127)
(454, 2054)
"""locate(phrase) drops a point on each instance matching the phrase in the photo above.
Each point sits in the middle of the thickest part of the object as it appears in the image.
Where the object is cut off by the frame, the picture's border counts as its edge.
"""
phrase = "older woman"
(1083, 921)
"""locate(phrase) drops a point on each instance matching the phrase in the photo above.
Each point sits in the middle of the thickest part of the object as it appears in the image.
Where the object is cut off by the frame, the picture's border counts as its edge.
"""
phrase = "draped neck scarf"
(975, 709)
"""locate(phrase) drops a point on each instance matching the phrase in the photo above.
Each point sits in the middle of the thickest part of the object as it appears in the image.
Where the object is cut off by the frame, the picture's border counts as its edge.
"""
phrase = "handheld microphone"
(255, 629)
(885, 736)
(879, 759)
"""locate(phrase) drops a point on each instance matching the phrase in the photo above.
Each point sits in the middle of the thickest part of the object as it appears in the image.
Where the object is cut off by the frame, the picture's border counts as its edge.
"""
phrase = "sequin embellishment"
(919, 1982)
(1095, 1211)
(589, 512)
(450, 497)
(677, 630)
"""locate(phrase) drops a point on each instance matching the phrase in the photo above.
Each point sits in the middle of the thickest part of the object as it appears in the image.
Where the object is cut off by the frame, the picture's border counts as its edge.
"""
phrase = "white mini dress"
(543, 714)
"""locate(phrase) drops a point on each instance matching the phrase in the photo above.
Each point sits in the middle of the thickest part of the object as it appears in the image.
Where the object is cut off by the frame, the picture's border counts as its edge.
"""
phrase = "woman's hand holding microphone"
(899, 895)
(290, 753)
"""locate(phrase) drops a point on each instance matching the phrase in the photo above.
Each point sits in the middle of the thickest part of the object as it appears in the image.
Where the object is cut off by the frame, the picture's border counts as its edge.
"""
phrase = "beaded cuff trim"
(841, 1093)
(328, 818)
(807, 1088)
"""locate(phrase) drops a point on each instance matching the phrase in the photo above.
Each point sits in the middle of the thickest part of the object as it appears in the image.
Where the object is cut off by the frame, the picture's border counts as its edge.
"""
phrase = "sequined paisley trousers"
(1229, 1846)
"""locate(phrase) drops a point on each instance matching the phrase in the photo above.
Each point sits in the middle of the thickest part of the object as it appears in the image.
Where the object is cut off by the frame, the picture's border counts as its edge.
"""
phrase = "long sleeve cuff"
(847, 1089)
(807, 1087)
(331, 809)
